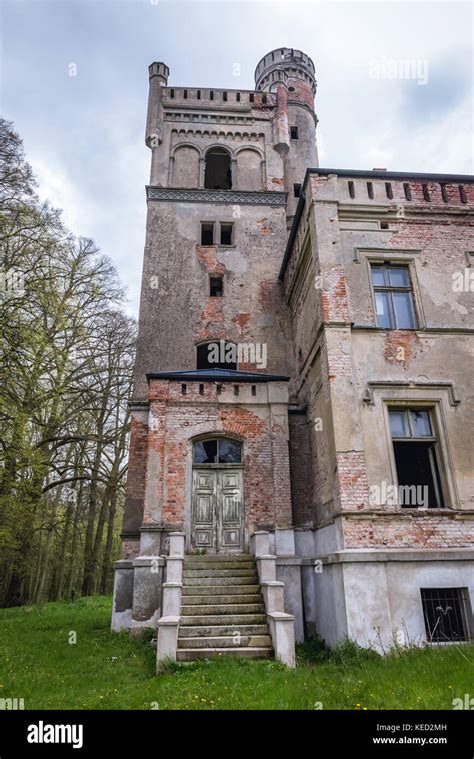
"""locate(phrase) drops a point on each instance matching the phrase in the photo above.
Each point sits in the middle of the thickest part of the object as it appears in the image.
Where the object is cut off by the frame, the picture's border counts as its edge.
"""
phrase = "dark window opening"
(237, 97)
(383, 225)
(444, 193)
(251, 97)
(201, 389)
(218, 175)
(236, 389)
(199, 94)
(462, 194)
(426, 193)
(185, 94)
(218, 389)
(294, 132)
(297, 190)
(171, 93)
(370, 190)
(393, 296)
(218, 451)
(415, 450)
(224, 96)
(254, 390)
(407, 190)
(216, 354)
(445, 611)
(226, 234)
(216, 287)
(388, 190)
(351, 189)
(211, 95)
(183, 389)
(207, 234)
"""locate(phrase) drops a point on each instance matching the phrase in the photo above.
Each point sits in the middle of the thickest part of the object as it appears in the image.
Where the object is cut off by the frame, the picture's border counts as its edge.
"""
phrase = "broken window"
(416, 460)
(216, 287)
(293, 132)
(445, 611)
(393, 296)
(226, 234)
(218, 175)
(207, 233)
(218, 451)
(216, 354)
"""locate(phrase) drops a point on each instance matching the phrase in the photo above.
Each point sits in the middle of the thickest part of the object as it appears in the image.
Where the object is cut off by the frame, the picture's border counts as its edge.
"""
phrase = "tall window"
(393, 296)
(416, 459)
(218, 175)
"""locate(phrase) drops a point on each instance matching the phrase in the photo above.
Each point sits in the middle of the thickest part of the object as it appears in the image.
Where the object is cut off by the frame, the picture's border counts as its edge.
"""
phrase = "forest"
(67, 352)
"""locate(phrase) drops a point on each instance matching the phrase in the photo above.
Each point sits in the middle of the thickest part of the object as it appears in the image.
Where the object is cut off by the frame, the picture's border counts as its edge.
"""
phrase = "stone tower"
(226, 171)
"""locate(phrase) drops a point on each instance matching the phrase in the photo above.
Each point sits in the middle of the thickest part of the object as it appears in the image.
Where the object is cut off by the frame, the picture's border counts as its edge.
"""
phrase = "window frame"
(390, 289)
(218, 465)
(219, 277)
(465, 615)
(207, 224)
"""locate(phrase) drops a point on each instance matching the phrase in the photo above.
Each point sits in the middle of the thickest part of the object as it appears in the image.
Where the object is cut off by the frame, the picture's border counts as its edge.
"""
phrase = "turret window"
(294, 133)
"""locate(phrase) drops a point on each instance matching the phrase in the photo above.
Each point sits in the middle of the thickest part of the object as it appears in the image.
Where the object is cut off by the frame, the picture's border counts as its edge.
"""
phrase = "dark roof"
(377, 174)
(221, 375)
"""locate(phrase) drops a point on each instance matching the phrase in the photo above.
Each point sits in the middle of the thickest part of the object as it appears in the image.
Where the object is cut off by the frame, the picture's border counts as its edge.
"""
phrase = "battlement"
(194, 97)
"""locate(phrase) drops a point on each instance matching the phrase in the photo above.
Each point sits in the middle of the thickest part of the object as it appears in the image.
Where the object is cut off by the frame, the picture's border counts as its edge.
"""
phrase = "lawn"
(41, 663)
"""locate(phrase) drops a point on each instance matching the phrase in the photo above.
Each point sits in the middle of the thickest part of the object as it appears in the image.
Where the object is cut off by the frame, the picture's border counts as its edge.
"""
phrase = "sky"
(395, 90)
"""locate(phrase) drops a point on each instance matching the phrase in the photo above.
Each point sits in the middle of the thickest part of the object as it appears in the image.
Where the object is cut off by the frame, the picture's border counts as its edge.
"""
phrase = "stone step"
(223, 600)
(219, 590)
(191, 654)
(207, 572)
(219, 557)
(226, 581)
(219, 631)
(209, 610)
(219, 565)
(226, 641)
(222, 619)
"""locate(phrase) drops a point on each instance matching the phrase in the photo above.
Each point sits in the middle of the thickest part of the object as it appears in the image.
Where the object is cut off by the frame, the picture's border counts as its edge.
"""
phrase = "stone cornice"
(230, 197)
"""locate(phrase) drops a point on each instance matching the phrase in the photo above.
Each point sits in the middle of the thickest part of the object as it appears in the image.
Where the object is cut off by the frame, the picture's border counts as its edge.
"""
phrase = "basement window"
(207, 233)
(416, 459)
(293, 132)
(393, 296)
(226, 234)
(446, 615)
(297, 190)
(216, 287)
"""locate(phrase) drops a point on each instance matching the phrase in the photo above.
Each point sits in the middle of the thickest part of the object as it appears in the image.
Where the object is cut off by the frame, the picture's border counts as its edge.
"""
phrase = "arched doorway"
(217, 503)
(218, 172)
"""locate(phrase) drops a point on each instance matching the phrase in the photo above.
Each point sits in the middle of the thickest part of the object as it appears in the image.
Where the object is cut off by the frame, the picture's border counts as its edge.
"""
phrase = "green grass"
(110, 671)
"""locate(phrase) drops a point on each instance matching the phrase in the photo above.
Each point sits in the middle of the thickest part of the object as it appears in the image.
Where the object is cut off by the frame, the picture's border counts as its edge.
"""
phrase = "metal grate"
(445, 613)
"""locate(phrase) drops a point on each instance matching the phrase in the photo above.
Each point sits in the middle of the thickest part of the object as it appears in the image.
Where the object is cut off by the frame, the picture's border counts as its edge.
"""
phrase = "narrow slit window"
(216, 289)
(251, 97)
(388, 190)
(462, 194)
(294, 133)
(407, 191)
(297, 190)
(207, 233)
(227, 234)
(426, 193)
(351, 188)
(237, 97)
(370, 190)
(444, 193)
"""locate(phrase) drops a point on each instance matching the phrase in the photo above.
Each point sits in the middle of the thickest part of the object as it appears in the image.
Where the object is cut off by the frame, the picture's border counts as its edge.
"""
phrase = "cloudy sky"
(83, 134)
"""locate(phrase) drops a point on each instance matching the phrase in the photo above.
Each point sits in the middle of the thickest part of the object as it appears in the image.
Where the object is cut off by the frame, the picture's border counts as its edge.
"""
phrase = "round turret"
(283, 66)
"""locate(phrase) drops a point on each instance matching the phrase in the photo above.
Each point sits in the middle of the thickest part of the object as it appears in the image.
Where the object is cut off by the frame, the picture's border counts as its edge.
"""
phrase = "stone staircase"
(222, 609)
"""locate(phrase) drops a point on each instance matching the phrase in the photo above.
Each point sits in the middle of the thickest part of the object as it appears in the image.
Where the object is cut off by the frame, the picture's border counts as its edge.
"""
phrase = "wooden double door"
(217, 519)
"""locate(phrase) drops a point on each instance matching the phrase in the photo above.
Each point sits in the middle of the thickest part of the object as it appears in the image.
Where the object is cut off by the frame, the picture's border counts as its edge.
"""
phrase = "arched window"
(216, 354)
(219, 450)
(218, 175)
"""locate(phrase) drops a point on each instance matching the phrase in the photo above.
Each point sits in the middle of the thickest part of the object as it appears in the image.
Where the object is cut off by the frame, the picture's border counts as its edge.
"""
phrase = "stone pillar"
(147, 588)
(123, 596)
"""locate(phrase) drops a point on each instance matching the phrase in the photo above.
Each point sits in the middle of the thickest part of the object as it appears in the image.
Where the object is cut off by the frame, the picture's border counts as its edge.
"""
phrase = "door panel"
(217, 510)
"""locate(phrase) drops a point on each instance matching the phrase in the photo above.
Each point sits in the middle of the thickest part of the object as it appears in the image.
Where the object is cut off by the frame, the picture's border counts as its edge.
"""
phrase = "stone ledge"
(382, 555)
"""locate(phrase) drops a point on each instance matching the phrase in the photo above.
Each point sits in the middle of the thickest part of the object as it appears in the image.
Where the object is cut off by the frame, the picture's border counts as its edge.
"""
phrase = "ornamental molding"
(231, 197)
(402, 385)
